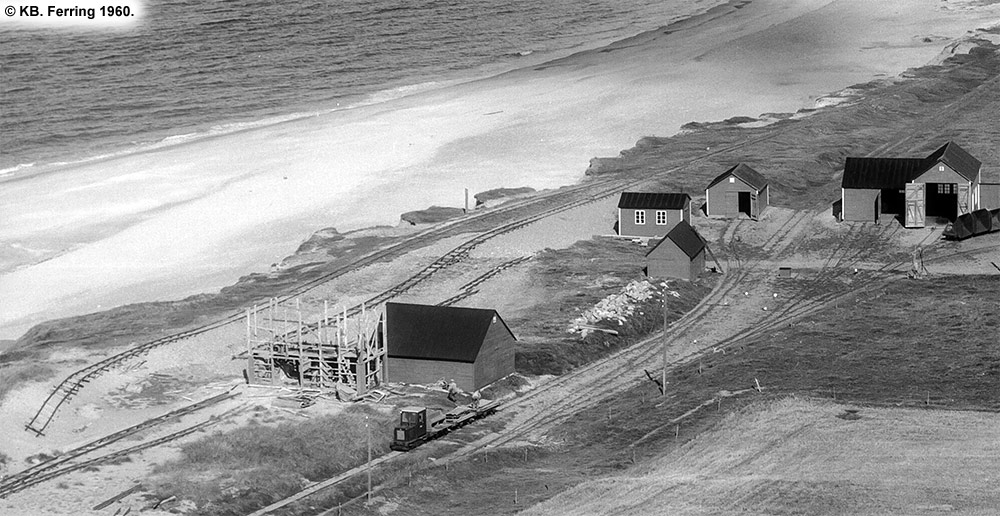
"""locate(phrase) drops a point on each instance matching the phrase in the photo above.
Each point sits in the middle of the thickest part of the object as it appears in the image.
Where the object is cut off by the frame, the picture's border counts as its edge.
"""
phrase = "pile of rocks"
(617, 308)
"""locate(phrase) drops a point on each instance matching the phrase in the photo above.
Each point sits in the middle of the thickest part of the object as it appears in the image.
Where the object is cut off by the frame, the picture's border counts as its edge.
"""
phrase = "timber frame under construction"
(342, 352)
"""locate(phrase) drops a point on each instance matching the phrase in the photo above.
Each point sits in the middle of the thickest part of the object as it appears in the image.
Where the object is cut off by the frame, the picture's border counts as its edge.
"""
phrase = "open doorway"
(942, 200)
(744, 203)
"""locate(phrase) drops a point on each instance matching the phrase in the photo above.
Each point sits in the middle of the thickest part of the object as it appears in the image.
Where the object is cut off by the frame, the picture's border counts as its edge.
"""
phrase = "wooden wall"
(859, 205)
(718, 206)
(411, 370)
(628, 228)
(669, 261)
(496, 356)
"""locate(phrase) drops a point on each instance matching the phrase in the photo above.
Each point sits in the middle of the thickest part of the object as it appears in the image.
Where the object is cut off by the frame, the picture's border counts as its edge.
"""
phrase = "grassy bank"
(239, 471)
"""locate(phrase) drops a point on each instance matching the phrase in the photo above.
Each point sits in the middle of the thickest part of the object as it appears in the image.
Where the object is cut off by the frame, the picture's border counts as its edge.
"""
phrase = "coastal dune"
(195, 216)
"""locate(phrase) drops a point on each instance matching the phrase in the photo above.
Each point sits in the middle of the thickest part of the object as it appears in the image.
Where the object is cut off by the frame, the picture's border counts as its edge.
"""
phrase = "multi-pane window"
(945, 188)
(640, 217)
(661, 217)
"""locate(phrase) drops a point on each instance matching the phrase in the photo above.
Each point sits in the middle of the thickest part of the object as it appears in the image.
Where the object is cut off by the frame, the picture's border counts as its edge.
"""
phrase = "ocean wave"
(4, 172)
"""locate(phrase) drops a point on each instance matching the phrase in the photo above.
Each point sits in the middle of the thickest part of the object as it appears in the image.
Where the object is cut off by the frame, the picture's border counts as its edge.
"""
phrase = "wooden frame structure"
(342, 352)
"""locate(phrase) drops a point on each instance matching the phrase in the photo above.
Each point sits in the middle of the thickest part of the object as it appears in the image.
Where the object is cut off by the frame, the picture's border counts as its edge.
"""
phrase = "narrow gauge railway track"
(617, 370)
(563, 199)
(729, 283)
(58, 466)
(469, 289)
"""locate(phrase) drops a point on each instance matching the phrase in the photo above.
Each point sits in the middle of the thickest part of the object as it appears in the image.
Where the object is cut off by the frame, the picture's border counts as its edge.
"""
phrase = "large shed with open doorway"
(680, 254)
(741, 190)
(426, 343)
(945, 184)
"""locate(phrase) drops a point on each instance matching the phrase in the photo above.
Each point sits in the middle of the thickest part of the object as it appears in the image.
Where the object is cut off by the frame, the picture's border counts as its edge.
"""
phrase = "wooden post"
(362, 366)
(322, 342)
(250, 334)
(466, 200)
(302, 361)
(270, 341)
(383, 351)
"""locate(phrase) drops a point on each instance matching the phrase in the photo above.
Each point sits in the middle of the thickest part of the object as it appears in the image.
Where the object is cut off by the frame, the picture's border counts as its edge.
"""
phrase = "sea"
(193, 69)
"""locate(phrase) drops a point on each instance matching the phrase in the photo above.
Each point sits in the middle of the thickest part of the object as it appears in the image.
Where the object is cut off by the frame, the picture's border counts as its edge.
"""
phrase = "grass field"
(794, 456)
(893, 360)
(239, 471)
(574, 280)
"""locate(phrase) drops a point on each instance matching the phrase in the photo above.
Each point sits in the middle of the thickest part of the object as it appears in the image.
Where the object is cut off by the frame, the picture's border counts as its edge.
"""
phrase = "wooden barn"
(651, 214)
(426, 343)
(739, 190)
(680, 254)
(944, 185)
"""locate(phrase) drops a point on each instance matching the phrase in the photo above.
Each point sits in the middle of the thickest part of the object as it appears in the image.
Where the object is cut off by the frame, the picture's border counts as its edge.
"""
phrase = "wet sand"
(193, 217)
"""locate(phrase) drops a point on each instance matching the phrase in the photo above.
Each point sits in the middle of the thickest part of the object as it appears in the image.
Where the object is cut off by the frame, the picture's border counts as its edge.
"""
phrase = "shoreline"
(374, 97)
(545, 124)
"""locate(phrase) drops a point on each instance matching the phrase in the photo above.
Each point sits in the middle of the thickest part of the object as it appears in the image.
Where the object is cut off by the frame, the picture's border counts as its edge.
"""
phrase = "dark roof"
(685, 237)
(745, 173)
(437, 332)
(872, 173)
(653, 200)
(957, 158)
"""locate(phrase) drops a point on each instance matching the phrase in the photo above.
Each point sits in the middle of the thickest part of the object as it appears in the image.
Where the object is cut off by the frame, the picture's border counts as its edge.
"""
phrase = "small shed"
(651, 214)
(739, 190)
(680, 254)
(425, 343)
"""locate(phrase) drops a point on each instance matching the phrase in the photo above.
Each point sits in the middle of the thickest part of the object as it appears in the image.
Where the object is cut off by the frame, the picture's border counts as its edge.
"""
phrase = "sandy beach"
(194, 217)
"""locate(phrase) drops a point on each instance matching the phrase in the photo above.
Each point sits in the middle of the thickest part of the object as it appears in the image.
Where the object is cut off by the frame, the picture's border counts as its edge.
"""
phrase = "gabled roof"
(685, 237)
(429, 332)
(958, 159)
(877, 173)
(872, 173)
(653, 201)
(745, 174)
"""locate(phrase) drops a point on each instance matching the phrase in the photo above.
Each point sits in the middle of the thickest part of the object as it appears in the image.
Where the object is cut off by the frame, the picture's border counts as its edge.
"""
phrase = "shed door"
(753, 205)
(732, 204)
(963, 199)
(915, 205)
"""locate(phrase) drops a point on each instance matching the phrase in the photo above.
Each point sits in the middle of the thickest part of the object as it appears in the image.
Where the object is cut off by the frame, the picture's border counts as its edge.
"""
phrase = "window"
(640, 217)
(945, 188)
(940, 168)
(661, 217)
(732, 179)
